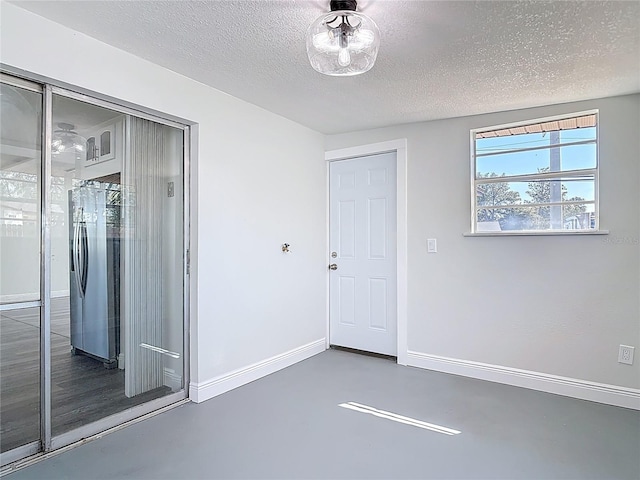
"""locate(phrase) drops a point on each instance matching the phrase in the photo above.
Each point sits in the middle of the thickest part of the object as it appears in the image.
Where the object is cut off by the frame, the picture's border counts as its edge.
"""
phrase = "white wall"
(260, 182)
(556, 305)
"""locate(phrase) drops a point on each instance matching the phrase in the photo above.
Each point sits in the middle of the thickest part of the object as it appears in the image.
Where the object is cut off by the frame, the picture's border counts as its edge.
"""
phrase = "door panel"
(20, 247)
(347, 222)
(378, 303)
(362, 290)
(347, 300)
(377, 228)
(110, 181)
(117, 233)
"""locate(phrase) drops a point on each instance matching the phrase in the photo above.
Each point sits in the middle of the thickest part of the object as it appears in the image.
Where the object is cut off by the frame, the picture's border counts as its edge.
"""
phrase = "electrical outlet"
(625, 355)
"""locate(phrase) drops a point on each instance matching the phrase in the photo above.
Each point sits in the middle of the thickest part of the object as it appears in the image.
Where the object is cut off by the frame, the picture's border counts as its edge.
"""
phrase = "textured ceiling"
(437, 59)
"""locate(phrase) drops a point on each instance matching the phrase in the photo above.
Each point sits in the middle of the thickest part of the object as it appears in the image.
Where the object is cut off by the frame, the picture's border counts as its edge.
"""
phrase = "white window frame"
(564, 174)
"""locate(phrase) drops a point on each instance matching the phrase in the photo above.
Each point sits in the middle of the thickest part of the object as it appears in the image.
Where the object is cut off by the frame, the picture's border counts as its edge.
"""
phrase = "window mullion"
(541, 147)
(535, 205)
(539, 176)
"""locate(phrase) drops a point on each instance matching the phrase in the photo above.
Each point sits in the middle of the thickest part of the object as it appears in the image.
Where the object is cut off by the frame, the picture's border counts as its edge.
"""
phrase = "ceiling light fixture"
(343, 42)
(66, 140)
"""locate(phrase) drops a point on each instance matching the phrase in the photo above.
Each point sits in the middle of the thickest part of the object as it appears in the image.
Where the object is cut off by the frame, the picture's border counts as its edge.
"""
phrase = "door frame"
(398, 146)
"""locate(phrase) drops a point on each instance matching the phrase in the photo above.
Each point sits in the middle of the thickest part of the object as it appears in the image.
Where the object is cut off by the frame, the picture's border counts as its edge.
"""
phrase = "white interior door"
(362, 287)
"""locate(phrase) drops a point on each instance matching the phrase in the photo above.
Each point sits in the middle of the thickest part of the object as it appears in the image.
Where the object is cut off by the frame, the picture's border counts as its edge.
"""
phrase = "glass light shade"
(65, 141)
(343, 43)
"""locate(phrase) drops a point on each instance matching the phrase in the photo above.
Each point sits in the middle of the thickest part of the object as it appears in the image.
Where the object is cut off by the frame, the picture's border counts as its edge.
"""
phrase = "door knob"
(333, 266)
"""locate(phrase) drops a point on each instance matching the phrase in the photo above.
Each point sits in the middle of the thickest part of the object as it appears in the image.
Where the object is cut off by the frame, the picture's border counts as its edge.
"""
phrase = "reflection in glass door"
(116, 269)
(20, 245)
(113, 257)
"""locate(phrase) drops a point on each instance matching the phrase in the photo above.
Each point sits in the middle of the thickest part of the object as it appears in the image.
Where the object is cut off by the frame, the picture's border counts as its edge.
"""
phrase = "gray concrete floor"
(288, 425)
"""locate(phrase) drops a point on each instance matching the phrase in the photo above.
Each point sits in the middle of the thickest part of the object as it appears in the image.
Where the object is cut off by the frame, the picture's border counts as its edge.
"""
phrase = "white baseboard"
(172, 379)
(30, 297)
(199, 392)
(569, 387)
(20, 297)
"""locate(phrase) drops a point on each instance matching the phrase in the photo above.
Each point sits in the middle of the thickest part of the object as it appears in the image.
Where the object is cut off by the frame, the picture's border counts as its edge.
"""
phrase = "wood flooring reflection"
(83, 391)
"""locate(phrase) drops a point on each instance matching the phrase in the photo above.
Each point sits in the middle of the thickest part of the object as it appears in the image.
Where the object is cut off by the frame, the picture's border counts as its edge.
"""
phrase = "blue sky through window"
(575, 157)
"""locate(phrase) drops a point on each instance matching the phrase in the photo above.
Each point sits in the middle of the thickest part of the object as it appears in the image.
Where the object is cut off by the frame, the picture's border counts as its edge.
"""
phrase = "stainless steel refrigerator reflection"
(94, 210)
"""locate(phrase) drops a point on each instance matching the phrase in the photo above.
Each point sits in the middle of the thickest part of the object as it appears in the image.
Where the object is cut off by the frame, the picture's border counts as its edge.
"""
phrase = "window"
(536, 176)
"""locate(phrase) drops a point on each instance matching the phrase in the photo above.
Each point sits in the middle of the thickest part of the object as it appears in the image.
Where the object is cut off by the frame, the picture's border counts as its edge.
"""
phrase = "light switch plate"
(432, 245)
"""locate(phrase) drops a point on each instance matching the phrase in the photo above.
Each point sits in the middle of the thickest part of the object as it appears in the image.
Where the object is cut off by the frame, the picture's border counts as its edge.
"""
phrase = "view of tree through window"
(20, 193)
(536, 176)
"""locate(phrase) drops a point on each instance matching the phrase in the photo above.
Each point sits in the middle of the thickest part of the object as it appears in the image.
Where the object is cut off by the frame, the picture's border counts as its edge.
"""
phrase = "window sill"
(535, 234)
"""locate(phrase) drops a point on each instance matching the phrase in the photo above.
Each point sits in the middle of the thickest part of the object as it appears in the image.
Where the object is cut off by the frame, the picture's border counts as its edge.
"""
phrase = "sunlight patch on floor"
(358, 407)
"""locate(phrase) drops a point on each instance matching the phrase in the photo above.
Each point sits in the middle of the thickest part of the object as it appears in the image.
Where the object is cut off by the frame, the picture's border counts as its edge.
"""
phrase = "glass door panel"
(20, 246)
(116, 263)
(115, 268)
(20, 176)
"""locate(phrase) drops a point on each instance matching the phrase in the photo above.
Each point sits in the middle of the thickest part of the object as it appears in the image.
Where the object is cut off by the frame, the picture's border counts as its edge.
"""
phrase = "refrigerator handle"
(72, 253)
(84, 249)
(85, 256)
(77, 254)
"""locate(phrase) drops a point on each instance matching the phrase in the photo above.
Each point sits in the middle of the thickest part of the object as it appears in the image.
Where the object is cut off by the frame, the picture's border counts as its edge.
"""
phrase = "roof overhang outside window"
(552, 126)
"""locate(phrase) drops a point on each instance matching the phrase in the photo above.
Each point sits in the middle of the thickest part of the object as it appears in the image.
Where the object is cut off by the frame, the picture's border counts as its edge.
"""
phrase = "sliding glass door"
(20, 272)
(106, 342)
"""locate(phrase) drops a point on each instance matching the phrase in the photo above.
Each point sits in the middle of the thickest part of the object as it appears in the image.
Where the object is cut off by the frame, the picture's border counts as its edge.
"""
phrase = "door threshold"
(40, 456)
(364, 352)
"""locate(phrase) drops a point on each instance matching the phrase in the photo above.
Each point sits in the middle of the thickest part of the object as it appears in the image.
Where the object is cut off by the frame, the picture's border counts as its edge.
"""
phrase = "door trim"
(400, 148)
